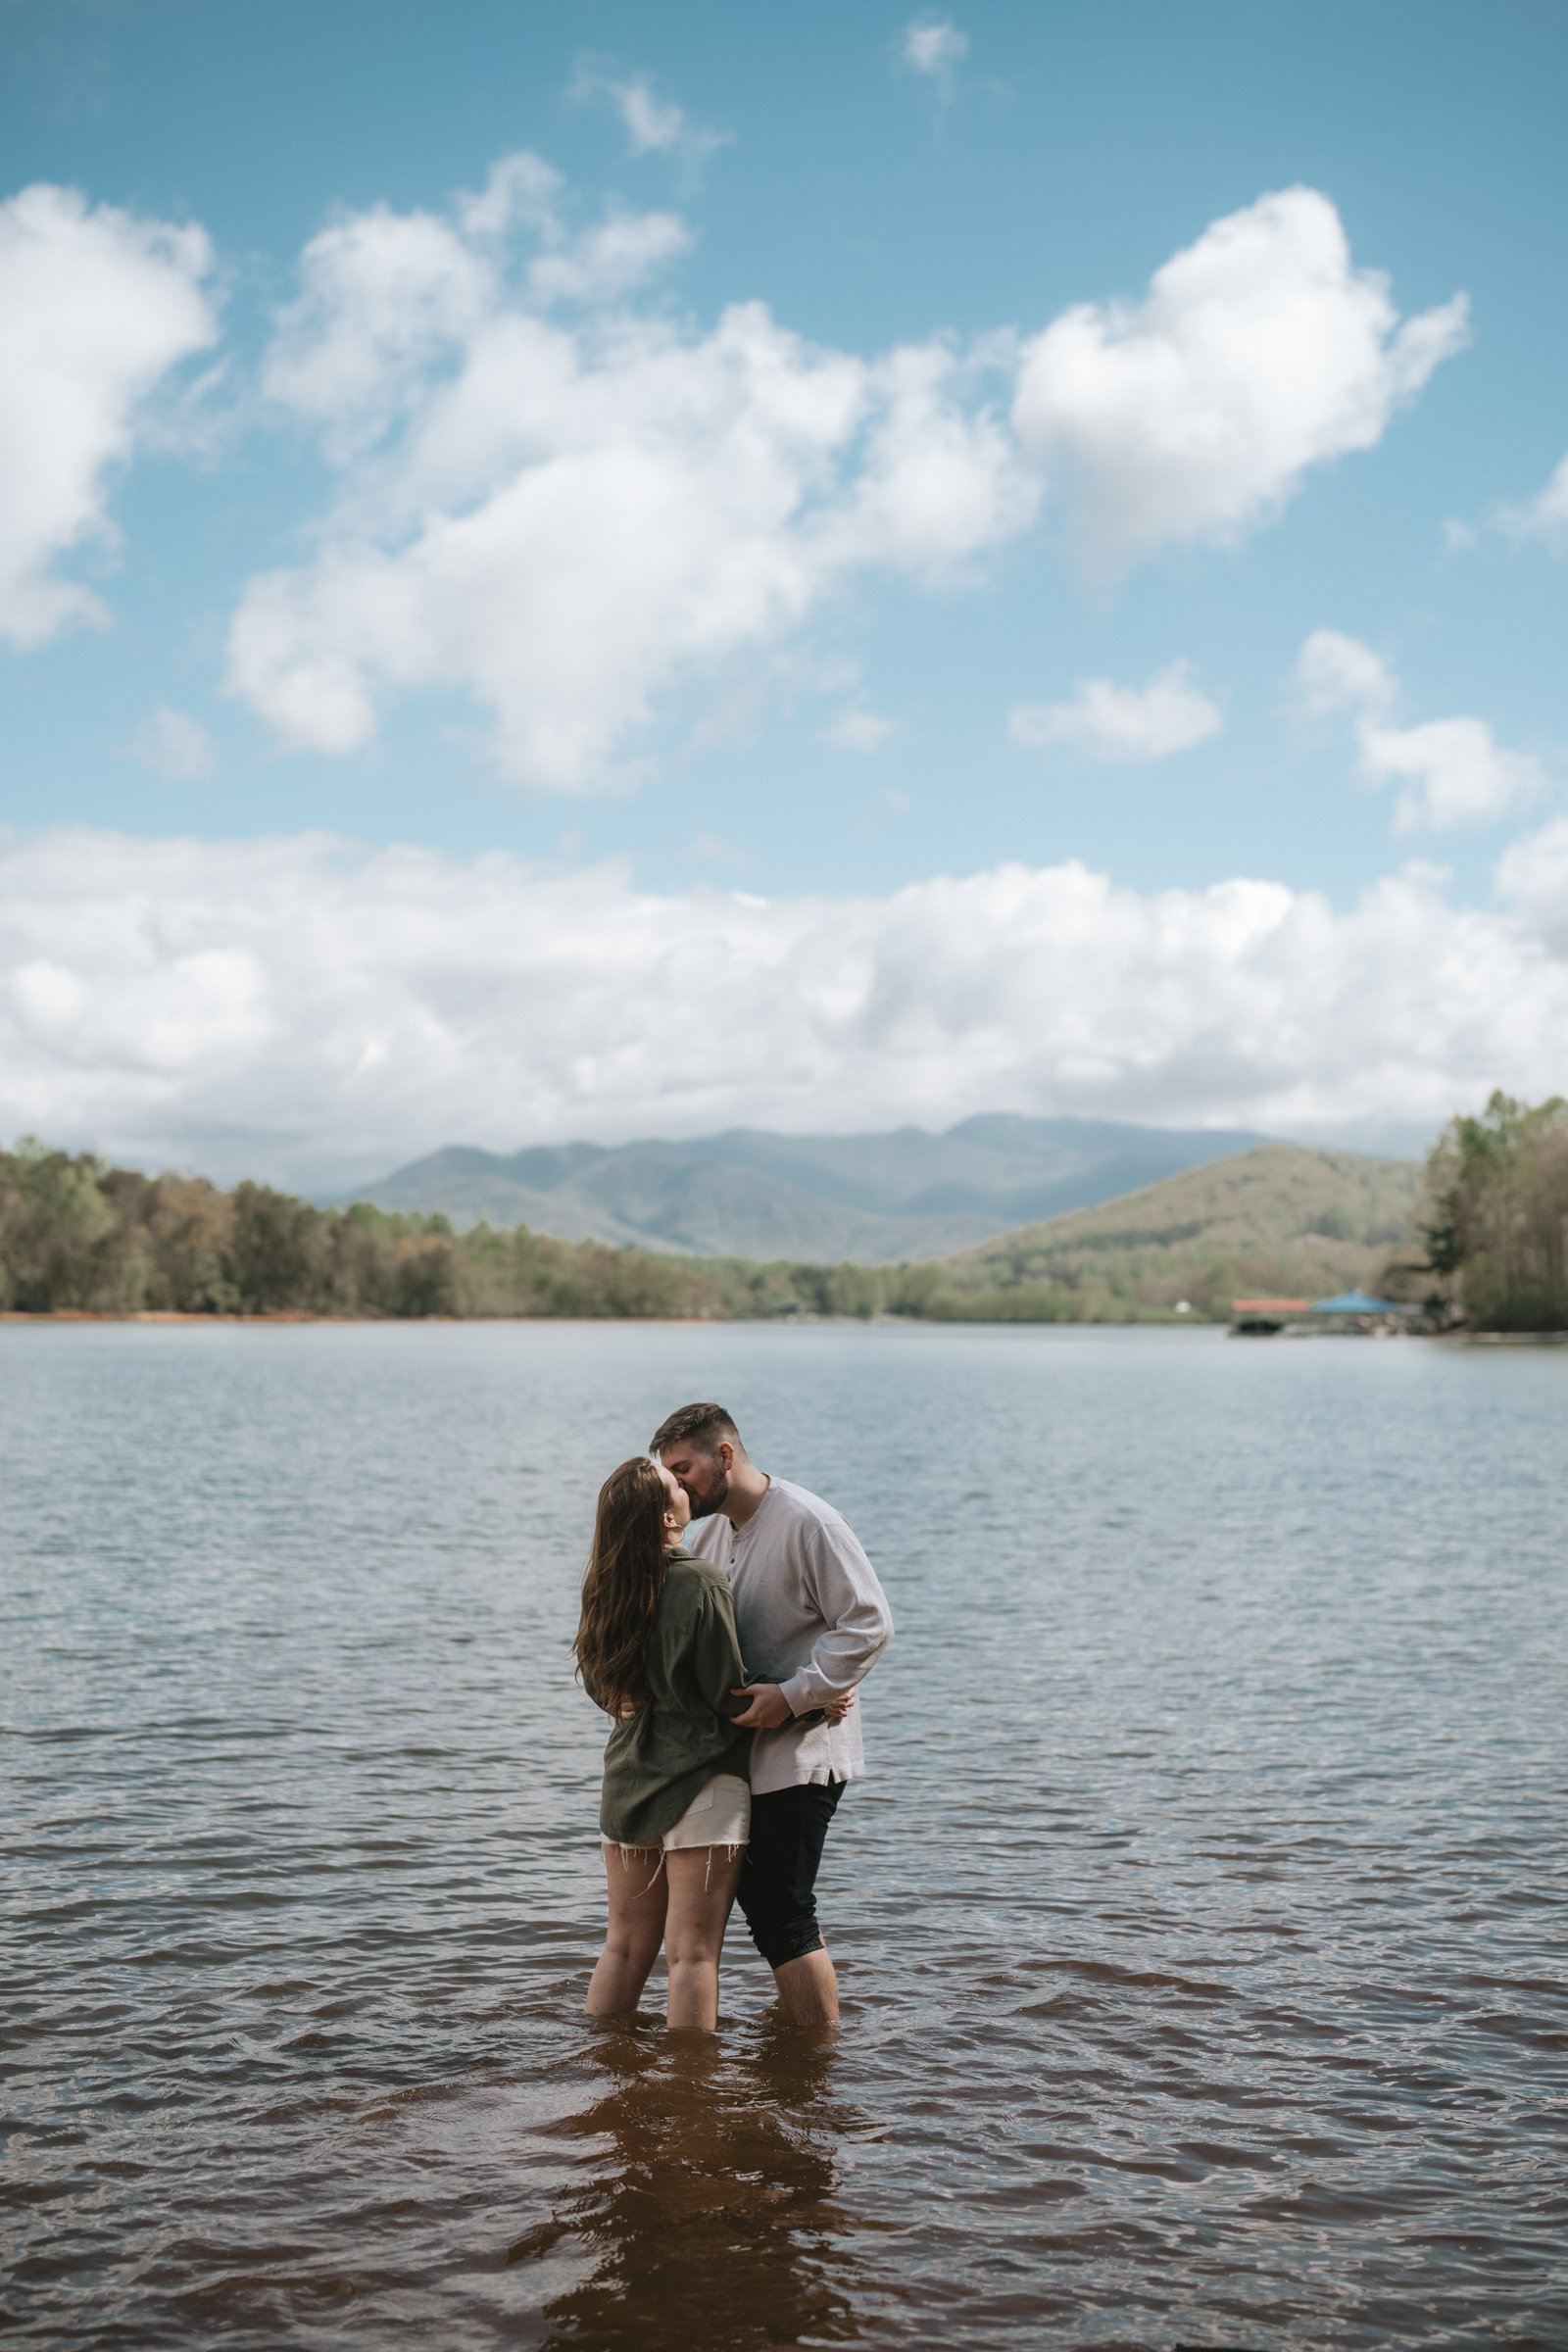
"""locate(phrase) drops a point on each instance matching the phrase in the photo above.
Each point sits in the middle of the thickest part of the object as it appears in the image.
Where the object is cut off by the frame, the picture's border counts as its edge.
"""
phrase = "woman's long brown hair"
(626, 1572)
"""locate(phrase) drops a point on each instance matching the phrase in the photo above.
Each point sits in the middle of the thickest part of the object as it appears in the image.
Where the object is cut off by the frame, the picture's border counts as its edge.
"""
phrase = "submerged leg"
(638, 1890)
(702, 1888)
(808, 1988)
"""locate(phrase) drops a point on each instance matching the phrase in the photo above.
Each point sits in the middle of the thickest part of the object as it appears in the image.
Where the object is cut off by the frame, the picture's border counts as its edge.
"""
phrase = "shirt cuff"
(799, 1693)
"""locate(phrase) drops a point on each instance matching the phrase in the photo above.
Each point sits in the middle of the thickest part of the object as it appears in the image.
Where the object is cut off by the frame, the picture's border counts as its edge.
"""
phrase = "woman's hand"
(835, 1709)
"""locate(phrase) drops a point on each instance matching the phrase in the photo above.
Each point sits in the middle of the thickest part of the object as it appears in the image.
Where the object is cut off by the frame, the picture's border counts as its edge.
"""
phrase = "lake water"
(1200, 1923)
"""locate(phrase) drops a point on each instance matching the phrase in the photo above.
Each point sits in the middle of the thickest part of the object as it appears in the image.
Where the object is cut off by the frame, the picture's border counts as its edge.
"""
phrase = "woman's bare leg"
(638, 1890)
(702, 1888)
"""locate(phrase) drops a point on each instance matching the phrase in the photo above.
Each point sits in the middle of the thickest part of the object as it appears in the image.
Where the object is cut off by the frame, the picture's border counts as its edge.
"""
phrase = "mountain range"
(869, 1199)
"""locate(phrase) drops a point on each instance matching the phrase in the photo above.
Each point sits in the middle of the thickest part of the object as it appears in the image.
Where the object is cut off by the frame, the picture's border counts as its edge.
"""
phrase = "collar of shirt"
(742, 1535)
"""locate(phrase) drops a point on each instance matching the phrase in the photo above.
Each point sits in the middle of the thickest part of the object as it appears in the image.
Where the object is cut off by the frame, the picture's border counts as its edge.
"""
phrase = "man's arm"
(770, 1707)
(856, 1622)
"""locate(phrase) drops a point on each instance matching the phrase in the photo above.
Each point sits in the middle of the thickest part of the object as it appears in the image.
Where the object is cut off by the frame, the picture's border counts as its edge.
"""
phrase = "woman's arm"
(718, 1667)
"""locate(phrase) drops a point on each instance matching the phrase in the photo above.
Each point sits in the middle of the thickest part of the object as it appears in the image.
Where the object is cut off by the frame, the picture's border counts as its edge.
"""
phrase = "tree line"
(78, 1234)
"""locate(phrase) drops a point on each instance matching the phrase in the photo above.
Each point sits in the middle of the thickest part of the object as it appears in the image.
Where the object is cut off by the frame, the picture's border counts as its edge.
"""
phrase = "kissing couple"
(727, 1621)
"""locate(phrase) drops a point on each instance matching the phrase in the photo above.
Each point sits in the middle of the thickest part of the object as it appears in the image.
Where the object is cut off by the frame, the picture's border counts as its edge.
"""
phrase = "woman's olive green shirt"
(660, 1758)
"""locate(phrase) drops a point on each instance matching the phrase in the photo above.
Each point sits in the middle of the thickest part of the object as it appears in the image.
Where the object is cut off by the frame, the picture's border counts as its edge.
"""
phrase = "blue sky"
(787, 487)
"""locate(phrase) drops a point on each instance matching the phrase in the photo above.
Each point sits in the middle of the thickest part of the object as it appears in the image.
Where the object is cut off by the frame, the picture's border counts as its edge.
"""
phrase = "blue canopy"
(1356, 1303)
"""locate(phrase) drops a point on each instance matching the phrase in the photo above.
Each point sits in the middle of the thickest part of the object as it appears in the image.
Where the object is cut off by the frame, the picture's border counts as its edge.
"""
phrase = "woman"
(657, 1649)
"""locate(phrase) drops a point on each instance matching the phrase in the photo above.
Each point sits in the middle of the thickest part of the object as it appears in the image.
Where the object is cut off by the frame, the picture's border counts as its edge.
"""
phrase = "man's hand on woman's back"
(770, 1707)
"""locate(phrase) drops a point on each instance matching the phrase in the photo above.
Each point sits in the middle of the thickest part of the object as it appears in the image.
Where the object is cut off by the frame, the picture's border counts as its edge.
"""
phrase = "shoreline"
(298, 1316)
(293, 1314)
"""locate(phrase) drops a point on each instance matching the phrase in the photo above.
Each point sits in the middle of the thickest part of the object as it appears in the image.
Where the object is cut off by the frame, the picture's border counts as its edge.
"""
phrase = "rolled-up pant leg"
(777, 1893)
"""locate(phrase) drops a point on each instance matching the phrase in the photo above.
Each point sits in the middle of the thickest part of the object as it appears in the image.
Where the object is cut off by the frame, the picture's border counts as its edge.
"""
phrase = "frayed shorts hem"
(719, 1814)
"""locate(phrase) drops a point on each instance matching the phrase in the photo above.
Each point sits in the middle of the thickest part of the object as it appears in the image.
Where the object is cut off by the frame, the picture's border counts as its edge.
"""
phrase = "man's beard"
(712, 1497)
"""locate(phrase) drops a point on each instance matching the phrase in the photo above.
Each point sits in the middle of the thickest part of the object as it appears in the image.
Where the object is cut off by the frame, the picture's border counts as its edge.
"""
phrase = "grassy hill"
(1281, 1219)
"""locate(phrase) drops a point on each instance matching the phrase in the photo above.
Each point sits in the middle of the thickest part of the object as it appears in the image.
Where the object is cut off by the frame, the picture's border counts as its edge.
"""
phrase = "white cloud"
(935, 47)
(938, 477)
(857, 730)
(583, 521)
(1532, 877)
(653, 124)
(382, 294)
(621, 252)
(1106, 721)
(523, 190)
(570, 522)
(1546, 516)
(1259, 352)
(303, 1009)
(96, 307)
(1453, 770)
(388, 298)
(174, 746)
(1335, 673)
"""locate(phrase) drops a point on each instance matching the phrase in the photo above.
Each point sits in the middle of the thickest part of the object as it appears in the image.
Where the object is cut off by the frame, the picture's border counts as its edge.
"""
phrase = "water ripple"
(1200, 1927)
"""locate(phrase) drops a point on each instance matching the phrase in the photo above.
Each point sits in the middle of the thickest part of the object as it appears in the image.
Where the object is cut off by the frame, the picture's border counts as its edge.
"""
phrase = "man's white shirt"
(811, 1617)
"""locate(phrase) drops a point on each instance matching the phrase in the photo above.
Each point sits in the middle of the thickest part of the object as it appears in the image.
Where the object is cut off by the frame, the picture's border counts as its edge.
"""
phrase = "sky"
(587, 570)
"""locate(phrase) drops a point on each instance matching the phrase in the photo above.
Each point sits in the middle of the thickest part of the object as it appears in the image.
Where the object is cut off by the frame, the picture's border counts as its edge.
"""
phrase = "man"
(812, 1621)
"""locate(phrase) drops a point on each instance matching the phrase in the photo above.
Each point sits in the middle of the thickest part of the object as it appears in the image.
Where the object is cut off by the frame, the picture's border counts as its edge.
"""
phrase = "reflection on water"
(1201, 1924)
(704, 2200)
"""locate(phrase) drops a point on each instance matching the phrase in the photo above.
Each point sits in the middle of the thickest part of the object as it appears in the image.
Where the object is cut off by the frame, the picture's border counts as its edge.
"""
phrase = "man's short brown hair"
(699, 1425)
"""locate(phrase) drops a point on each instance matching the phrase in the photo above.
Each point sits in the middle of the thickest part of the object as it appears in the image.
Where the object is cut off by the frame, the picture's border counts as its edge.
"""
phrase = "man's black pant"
(777, 1891)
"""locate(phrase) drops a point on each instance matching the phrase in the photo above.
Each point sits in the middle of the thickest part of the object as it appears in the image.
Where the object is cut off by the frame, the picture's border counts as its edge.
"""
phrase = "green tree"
(189, 1230)
(1497, 1220)
(61, 1242)
(427, 1275)
(278, 1254)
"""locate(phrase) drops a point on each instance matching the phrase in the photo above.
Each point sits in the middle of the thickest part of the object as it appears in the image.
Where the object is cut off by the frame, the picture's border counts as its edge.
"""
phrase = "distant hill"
(819, 1199)
(1276, 1220)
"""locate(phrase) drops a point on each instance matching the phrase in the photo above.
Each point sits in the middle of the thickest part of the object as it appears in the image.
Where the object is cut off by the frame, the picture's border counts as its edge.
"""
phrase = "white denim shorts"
(718, 1815)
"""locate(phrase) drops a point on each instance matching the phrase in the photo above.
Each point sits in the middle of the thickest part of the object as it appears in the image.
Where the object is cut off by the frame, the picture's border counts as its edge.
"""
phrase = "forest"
(79, 1236)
